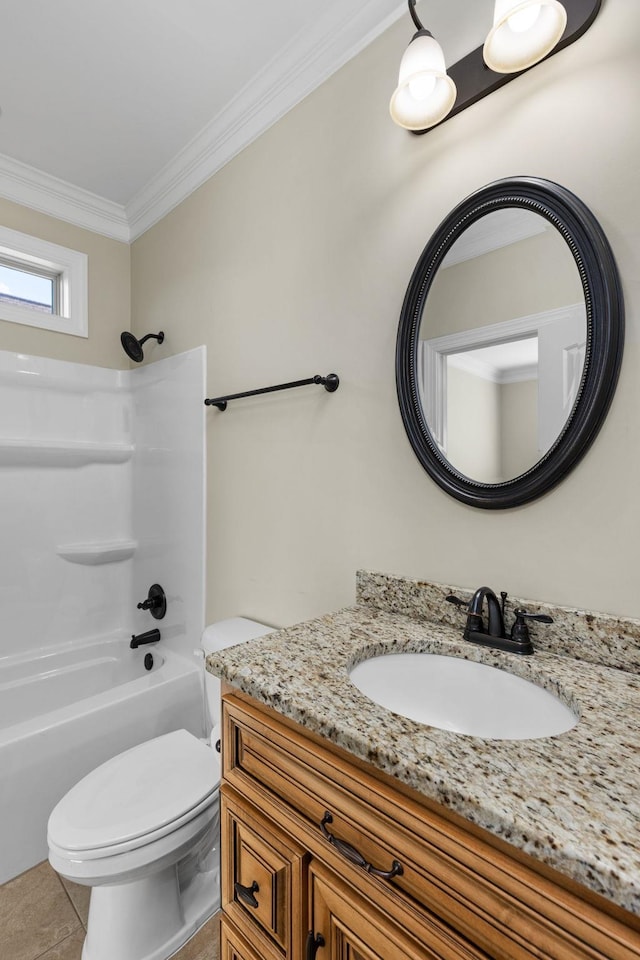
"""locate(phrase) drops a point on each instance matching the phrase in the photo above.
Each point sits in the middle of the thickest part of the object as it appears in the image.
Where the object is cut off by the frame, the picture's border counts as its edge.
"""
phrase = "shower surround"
(101, 495)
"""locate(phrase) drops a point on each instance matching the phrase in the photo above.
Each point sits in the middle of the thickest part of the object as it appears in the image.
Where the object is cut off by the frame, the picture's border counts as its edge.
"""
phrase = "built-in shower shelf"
(97, 552)
(61, 453)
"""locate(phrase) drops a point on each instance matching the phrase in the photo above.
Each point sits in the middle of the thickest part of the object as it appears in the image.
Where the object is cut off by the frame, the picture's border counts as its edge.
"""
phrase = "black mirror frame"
(605, 338)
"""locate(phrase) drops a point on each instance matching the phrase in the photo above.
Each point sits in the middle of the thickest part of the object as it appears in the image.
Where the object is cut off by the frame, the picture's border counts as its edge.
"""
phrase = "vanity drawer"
(500, 902)
(262, 878)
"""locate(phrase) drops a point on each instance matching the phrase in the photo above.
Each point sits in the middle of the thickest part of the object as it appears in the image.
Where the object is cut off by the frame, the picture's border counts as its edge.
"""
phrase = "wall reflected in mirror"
(501, 345)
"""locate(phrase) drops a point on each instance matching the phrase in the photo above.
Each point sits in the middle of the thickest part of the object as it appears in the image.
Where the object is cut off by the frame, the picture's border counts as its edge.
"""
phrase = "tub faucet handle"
(156, 602)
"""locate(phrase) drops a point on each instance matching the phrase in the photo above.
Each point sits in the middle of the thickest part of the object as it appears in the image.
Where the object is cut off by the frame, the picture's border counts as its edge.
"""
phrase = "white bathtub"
(64, 711)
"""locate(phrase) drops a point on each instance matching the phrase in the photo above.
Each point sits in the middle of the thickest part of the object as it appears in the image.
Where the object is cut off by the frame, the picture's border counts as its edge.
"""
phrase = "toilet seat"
(107, 868)
(137, 798)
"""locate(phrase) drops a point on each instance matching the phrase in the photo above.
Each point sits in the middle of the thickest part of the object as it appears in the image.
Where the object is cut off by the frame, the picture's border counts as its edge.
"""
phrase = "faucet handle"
(457, 600)
(156, 602)
(520, 630)
(540, 617)
(474, 620)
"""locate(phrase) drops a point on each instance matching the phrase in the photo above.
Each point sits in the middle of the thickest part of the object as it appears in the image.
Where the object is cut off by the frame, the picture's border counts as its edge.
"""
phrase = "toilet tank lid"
(228, 633)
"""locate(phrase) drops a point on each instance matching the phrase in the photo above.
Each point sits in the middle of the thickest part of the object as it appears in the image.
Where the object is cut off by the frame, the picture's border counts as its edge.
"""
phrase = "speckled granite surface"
(572, 800)
(596, 637)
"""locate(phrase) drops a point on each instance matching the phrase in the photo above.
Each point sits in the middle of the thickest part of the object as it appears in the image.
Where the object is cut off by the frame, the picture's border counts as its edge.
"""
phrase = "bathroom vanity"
(352, 832)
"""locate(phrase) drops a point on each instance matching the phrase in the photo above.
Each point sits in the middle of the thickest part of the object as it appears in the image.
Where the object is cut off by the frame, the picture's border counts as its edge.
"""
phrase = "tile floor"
(43, 917)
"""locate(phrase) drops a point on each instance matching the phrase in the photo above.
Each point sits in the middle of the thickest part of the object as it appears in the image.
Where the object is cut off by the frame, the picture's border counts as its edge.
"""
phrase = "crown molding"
(307, 61)
(40, 191)
(492, 232)
(304, 64)
(488, 371)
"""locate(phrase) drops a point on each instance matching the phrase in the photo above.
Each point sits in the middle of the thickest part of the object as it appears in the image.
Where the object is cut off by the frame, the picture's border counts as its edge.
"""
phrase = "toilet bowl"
(142, 830)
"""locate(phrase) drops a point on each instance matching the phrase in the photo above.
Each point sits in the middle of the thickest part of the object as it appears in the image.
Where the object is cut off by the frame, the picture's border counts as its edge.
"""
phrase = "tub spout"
(151, 636)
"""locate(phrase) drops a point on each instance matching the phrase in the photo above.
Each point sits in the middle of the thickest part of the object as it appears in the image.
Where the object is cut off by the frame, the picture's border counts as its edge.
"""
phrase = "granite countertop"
(570, 800)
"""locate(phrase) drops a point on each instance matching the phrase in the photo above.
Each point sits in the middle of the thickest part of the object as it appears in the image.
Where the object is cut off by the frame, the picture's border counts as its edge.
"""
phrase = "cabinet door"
(345, 926)
(263, 871)
(233, 946)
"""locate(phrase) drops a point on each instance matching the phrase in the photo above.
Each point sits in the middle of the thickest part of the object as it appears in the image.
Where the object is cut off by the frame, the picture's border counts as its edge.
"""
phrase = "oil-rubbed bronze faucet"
(494, 634)
(151, 636)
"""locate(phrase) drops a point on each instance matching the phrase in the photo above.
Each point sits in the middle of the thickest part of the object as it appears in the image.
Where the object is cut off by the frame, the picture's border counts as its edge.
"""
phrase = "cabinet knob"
(246, 894)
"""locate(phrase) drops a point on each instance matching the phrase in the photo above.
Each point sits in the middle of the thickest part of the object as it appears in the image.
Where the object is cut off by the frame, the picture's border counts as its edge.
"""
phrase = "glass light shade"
(523, 32)
(425, 94)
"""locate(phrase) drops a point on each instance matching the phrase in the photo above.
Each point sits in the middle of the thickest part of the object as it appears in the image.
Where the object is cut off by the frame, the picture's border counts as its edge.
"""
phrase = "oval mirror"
(510, 342)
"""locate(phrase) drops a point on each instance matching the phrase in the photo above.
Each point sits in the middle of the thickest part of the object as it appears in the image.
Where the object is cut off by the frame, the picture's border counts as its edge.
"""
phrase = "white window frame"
(71, 268)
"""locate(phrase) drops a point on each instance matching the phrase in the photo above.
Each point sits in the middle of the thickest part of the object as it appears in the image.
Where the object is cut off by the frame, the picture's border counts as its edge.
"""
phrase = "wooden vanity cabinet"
(346, 865)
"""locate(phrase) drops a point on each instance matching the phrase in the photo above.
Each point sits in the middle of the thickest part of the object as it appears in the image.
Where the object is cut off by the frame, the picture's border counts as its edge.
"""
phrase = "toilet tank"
(217, 636)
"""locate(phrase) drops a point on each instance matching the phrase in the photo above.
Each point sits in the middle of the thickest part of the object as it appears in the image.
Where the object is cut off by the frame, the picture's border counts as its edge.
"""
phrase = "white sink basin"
(462, 696)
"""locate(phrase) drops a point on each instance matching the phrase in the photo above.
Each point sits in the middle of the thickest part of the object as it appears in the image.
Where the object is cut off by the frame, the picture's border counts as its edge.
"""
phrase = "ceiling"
(113, 111)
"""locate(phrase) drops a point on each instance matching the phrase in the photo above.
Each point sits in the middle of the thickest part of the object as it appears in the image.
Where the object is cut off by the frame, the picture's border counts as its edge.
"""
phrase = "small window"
(42, 284)
(28, 288)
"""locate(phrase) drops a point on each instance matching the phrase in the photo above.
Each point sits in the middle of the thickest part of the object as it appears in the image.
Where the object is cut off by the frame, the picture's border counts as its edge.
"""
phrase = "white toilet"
(142, 830)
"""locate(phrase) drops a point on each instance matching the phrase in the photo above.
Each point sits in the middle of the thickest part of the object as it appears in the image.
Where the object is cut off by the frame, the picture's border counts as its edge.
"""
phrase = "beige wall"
(492, 428)
(525, 278)
(294, 260)
(519, 427)
(474, 439)
(109, 294)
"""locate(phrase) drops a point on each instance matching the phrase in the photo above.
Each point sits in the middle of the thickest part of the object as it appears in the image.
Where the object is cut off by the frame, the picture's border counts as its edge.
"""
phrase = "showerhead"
(133, 347)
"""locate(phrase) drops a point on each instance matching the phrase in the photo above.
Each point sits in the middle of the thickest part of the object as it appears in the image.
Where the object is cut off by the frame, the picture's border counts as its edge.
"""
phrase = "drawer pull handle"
(354, 856)
(246, 894)
(313, 945)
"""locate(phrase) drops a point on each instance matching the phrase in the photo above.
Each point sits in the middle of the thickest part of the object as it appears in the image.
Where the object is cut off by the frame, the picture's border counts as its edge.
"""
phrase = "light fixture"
(425, 94)
(523, 32)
